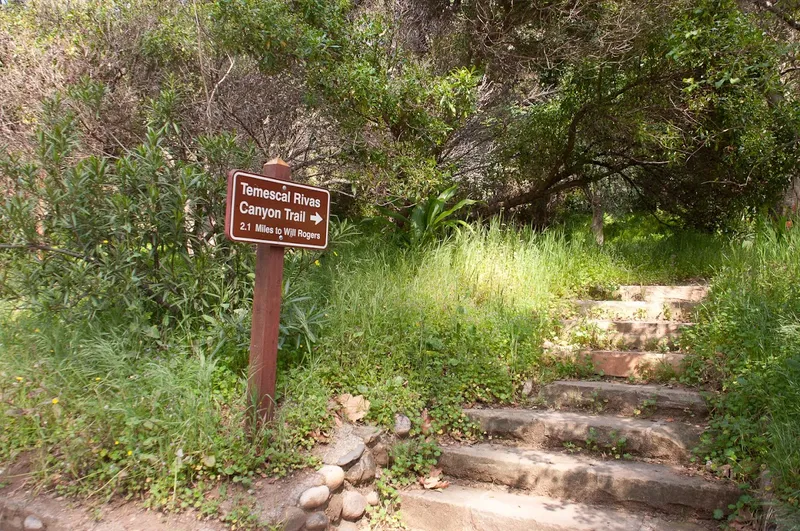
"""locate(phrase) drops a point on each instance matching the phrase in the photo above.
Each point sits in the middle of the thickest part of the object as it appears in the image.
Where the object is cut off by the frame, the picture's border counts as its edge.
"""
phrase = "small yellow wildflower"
(54, 401)
(20, 378)
(116, 443)
(130, 452)
(97, 379)
(335, 253)
(316, 263)
(105, 241)
(36, 330)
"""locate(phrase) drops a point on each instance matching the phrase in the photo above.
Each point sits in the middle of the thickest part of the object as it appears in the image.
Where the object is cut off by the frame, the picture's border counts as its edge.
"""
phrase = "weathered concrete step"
(460, 508)
(625, 398)
(631, 334)
(636, 310)
(625, 483)
(659, 439)
(660, 293)
(624, 363)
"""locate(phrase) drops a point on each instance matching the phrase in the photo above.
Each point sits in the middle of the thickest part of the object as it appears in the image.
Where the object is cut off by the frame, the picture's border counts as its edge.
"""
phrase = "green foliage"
(116, 230)
(412, 459)
(121, 285)
(397, 110)
(109, 410)
(428, 219)
(682, 103)
(274, 33)
(745, 125)
(128, 306)
(692, 117)
(746, 345)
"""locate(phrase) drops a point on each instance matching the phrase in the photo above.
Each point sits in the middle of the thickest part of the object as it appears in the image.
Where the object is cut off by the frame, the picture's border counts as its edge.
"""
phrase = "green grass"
(747, 346)
(421, 331)
(102, 411)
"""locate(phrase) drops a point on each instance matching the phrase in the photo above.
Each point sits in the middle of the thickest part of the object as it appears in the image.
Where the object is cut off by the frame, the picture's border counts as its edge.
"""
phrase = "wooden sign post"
(274, 213)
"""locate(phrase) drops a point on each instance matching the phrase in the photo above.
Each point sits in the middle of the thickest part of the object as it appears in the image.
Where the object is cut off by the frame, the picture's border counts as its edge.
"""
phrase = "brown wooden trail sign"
(270, 210)
(274, 213)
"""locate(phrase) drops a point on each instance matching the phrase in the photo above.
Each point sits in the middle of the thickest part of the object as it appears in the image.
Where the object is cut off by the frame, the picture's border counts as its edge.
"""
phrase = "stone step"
(631, 484)
(648, 438)
(661, 293)
(626, 399)
(625, 363)
(460, 508)
(629, 334)
(636, 310)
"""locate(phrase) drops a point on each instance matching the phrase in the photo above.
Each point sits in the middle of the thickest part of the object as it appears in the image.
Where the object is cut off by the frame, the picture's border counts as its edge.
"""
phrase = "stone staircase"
(593, 454)
(631, 337)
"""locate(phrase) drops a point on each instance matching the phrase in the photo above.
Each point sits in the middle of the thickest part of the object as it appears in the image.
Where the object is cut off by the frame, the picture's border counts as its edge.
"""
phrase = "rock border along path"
(525, 480)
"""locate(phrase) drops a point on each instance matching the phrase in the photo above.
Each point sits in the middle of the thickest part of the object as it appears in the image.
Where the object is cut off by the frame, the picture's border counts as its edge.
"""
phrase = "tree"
(692, 105)
(684, 117)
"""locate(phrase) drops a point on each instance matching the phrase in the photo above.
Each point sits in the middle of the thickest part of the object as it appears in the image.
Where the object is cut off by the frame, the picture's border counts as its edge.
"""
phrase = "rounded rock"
(316, 522)
(527, 388)
(347, 526)
(334, 509)
(32, 523)
(381, 454)
(314, 497)
(402, 425)
(293, 519)
(333, 476)
(316, 480)
(353, 505)
(372, 498)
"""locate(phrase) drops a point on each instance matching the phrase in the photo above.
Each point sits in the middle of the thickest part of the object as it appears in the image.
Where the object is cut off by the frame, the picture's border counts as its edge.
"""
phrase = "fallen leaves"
(355, 407)
(434, 480)
(426, 422)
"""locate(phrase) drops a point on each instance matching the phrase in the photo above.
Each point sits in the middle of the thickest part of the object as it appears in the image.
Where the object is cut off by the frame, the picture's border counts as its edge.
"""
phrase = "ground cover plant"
(126, 313)
(108, 399)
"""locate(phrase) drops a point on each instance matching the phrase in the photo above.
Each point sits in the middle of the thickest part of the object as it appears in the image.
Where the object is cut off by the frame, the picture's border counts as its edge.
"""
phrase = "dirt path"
(59, 514)
(267, 500)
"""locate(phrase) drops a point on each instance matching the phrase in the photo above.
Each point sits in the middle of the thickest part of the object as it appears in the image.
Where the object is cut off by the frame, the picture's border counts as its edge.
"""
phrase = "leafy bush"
(427, 219)
(116, 279)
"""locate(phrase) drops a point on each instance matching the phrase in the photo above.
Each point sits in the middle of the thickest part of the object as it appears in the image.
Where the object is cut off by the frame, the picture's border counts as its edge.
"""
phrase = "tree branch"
(540, 193)
(782, 15)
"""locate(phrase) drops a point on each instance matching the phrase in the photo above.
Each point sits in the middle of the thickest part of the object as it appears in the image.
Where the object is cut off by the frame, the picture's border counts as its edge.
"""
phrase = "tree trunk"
(596, 201)
(791, 201)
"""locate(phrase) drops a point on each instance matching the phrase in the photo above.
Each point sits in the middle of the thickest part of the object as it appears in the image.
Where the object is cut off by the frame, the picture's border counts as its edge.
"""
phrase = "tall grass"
(100, 410)
(463, 320)
(747, 346)
(420, 331)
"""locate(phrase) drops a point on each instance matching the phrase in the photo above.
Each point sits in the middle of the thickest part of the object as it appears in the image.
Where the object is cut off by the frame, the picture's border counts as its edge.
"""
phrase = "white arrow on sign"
(316, 218)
